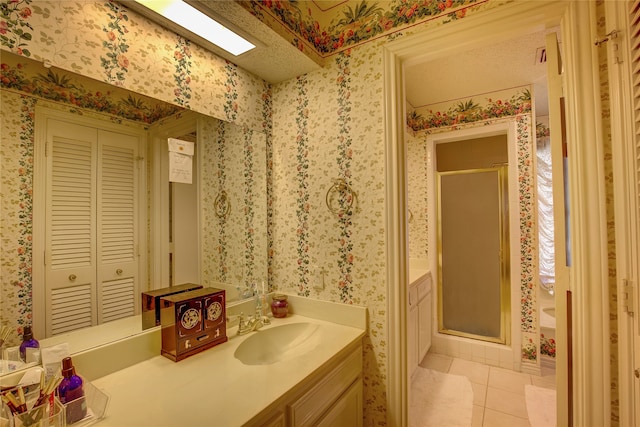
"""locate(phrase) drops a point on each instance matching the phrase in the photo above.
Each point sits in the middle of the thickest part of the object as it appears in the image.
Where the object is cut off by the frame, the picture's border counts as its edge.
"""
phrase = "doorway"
(175, 218)
(583, 119)
(184, 225)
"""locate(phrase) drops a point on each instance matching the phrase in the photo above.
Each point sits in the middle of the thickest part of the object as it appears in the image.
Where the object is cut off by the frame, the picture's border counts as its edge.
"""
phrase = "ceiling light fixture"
(199, 24)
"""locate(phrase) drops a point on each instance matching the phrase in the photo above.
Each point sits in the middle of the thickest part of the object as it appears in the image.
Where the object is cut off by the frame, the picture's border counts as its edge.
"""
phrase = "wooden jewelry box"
(192, 321)
(151, 302)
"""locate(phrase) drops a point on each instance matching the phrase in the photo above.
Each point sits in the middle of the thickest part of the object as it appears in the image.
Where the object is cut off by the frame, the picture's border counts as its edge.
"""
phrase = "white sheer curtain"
(545, 214)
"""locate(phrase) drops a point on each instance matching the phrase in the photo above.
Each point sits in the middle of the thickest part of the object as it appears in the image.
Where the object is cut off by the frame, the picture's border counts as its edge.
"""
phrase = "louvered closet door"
(70, 227)
(117, 233)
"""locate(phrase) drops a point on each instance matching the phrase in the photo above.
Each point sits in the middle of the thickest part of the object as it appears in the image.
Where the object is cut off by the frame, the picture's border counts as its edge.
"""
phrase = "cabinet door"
(305, 411)
(347, 411)
(277, 421)
(412, 339)
(424, 327)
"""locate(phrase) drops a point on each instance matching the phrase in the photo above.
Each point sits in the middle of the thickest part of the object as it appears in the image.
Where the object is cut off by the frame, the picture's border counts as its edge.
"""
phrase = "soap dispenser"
(71, 392)
(29, 346)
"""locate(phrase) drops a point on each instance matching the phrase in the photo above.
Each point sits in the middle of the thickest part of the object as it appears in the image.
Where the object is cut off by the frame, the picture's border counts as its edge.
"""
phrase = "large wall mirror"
(213, 231)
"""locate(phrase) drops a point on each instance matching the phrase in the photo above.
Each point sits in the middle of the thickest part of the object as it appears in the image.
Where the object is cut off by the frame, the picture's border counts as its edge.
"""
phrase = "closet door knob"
(119, 271)
(72, 277)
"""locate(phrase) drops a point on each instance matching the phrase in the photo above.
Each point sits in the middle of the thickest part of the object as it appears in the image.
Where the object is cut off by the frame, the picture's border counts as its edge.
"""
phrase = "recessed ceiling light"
(200, 24)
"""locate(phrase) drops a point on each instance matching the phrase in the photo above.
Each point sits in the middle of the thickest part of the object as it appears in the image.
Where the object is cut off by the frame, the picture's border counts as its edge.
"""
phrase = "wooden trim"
(569, 359)
(587, 201)
(396, 242)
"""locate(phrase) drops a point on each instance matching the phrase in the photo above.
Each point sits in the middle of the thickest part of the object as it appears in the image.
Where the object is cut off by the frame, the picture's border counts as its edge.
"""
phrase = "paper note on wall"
(180, 160)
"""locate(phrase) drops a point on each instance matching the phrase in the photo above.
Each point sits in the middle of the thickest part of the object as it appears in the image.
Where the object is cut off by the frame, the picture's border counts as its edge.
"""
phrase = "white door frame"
(507, 128)
(586, 177)
(183, 123)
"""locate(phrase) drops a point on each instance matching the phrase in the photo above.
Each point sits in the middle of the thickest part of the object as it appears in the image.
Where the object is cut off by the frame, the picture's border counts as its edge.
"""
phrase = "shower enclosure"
(473, 246)
(473, 239)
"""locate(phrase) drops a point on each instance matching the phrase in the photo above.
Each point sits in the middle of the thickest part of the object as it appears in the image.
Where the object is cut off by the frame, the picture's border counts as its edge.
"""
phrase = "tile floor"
(498, 393)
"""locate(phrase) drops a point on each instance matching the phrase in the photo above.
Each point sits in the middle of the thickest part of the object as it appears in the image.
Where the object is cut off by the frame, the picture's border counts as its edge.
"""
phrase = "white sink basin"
(277, 343)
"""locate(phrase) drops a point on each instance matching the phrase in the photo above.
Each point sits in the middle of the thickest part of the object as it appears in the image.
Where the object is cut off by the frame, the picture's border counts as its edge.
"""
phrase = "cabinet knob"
(119, 271)
(637, 373)
(72, 277)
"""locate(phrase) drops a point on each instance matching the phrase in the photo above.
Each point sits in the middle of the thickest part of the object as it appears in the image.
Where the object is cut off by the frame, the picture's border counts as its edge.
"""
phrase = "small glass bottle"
(28, 346)
(71, 392)
(279, 306)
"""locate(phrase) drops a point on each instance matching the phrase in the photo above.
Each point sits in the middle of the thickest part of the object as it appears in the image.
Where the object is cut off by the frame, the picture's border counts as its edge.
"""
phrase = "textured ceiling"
(275, 59)
(508, 64)
(297, 37)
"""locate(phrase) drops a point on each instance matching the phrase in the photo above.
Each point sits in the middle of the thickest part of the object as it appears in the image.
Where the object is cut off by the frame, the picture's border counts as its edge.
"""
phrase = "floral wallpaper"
(302, 209)
(15, 29)
(347, 202)
(501, 104)
(119, 47)
(418, 195)
(329, 126)
(16, 166)
(114, 60)
(30, 77)
(322, 32)
(233, 232)
(547, 346)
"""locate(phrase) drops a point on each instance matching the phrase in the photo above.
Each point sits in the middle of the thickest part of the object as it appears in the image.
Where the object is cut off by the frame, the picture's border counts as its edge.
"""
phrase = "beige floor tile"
(508, 380)
(477, 416)
(479, 393)
(476, 372)
(437, 362)
(506, 402)
(498, 419)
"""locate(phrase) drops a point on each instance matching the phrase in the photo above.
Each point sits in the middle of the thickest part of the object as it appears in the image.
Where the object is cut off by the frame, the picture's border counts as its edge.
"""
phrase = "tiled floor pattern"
(499, 399)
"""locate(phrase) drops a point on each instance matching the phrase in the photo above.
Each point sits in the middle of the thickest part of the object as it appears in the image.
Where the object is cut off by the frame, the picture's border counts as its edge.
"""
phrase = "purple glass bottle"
(279, 306)
(28, 341)
(71, 393)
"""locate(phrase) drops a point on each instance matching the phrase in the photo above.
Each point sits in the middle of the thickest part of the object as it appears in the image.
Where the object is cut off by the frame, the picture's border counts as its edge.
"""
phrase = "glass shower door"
(473, 254)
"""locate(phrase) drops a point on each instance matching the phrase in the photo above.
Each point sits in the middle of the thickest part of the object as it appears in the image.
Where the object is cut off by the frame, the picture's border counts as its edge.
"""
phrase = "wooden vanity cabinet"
(331, 396)
(419, 321)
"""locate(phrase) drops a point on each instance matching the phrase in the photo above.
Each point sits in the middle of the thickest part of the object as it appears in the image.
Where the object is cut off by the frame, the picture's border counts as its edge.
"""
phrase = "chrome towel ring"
(341, 187)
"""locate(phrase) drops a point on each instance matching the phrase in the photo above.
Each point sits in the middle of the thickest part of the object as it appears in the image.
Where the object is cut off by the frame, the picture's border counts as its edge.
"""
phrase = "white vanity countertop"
(418, 267)
(213, 387)
(416, 274)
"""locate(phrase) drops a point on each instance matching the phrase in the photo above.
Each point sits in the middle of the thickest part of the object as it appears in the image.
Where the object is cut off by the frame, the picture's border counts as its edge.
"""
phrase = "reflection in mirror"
(230, 250)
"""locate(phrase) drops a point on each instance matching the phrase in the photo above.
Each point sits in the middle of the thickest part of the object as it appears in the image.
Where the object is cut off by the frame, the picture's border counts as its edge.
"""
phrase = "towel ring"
(222, 205)
(341, 186)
